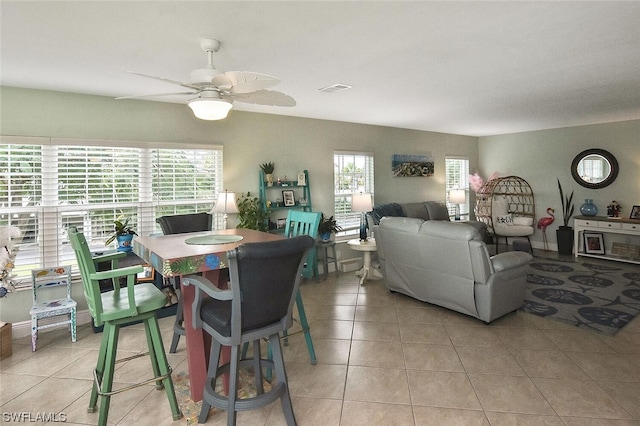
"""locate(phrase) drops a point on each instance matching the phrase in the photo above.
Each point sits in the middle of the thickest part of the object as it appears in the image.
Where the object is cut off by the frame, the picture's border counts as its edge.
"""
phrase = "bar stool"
(324, 246)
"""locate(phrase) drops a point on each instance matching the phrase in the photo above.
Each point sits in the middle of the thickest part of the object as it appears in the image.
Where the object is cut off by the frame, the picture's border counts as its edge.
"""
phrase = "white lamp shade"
(226, 203)
(361, 203)
(210, 108)
(457, 196)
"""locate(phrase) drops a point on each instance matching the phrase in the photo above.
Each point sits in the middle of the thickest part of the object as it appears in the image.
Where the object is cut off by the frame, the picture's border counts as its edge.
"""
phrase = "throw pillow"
(523, 221)
(506, 219)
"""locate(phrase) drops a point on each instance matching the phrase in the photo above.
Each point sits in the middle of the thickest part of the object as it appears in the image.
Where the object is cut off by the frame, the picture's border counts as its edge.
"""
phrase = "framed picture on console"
(593, 242)
(635, 213)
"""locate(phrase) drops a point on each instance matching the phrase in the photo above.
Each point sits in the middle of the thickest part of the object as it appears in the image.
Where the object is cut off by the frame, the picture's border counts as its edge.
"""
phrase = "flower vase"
(124, 242)
(588, 208)
(269, 178)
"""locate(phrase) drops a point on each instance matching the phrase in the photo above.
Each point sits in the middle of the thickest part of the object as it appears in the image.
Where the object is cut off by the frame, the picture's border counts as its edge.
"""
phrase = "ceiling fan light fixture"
(210, 108)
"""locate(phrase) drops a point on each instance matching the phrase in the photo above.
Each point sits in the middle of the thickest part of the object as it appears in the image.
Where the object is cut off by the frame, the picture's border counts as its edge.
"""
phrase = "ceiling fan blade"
(166, 80)
(244, 81)
(150, 95)
(263, 97)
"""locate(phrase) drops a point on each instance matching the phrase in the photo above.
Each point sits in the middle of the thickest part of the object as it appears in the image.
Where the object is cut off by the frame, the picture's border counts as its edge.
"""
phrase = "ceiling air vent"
(335, 88)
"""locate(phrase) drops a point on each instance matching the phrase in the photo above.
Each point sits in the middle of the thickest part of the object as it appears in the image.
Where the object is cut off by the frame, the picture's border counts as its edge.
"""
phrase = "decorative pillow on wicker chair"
(506, 219)
(523, 221)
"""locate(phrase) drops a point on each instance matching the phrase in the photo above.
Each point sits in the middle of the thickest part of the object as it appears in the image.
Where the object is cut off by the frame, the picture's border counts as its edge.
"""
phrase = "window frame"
(48, 245)
(347, 183)
(457, 179)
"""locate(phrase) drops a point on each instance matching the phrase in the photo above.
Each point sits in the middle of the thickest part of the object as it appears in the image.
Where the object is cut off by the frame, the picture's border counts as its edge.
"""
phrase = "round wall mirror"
(594, 168)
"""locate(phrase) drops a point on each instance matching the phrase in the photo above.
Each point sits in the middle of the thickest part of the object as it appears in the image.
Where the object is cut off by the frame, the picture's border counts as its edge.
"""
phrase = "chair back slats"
(87, 268)
(183, 223)
(266, 277)
(302, 223)
(51, 277)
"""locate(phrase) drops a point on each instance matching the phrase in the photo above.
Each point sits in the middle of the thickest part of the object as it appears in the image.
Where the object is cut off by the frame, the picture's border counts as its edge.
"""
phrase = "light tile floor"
(383, 359)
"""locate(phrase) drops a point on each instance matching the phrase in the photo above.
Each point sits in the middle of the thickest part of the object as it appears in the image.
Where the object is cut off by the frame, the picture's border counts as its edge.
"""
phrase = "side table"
(366, 247)
(324, 246)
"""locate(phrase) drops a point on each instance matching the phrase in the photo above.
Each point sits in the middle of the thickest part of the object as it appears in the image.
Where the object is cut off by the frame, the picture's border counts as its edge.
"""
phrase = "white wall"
(542, 156)
(249, 139)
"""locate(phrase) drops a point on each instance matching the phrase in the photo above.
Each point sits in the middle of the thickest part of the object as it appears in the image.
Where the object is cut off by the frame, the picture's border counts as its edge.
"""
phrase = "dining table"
(204, 253)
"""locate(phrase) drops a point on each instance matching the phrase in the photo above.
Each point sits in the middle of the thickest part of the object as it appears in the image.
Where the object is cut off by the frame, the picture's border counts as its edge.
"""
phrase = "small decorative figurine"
(613, 209)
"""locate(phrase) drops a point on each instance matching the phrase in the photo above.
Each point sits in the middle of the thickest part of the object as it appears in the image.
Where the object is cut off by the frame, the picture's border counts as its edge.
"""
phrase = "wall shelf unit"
(273, 200)
(625, 233)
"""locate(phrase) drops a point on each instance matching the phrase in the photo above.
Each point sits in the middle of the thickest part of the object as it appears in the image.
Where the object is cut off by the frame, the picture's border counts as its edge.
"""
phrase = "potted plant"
(328, 225)
(564, 233)
(123, 232)
(268, 168)
(251, 215)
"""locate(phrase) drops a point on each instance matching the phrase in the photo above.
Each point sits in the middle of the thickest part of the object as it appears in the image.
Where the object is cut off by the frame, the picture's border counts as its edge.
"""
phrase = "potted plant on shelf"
(328, 225)
(564, 233)
(123, 233)
(250, 213)
(268, 168)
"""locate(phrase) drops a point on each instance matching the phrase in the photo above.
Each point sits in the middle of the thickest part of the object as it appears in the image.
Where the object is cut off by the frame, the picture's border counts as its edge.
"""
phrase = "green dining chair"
(115, 308)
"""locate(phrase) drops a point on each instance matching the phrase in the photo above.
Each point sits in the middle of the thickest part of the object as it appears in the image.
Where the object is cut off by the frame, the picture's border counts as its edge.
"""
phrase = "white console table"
(625, 231)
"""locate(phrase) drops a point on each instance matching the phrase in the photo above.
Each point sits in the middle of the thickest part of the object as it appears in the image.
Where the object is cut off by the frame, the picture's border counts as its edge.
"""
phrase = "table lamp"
(226, 204)
(457, 196)
(362, 203)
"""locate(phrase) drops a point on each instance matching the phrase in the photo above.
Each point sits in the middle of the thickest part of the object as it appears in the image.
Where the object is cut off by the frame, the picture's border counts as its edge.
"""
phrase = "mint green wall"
(542, 156)
(294, 144)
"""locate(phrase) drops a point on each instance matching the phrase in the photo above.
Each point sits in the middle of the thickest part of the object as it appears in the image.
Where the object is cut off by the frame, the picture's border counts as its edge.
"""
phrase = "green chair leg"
(99, 372)
(106, 384)
(163, 366)
(152, 353)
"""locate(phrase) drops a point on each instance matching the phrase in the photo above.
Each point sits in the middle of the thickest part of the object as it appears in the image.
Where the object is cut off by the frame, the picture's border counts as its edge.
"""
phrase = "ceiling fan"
(213, 92)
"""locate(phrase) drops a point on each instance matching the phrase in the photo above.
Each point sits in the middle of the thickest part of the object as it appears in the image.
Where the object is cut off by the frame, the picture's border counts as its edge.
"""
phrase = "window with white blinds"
(352, 174)
(47, 185)
(457, 177)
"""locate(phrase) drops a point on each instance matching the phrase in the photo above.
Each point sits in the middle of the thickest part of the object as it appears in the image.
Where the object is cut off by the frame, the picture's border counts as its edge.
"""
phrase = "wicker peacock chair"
(506, 205)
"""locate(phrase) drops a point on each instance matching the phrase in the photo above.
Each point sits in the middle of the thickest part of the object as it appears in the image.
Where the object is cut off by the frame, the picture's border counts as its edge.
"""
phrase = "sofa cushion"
(417, 210)
(382, 210)
(437, 210)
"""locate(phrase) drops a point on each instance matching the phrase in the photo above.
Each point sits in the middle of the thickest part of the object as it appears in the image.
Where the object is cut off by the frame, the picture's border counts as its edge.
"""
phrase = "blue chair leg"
(305, 327)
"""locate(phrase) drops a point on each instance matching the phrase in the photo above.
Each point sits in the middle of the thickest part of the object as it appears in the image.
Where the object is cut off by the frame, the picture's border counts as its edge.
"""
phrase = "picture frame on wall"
(288, 198)
(593, 242)
(635, 213)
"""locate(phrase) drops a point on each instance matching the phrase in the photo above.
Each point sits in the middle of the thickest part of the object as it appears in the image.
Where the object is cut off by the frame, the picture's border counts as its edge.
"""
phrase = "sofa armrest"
(510, 260)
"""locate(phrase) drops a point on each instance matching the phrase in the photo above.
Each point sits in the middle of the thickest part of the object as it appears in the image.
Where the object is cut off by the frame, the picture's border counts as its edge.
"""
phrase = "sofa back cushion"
(437, 210)
(382, 210)
(417, 210)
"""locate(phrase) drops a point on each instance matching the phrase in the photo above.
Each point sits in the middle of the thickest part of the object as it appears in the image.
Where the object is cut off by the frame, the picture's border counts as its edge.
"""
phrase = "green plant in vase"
(328, 225)
(123, 232)
(251, 215)
(564, 233)
(268, 169)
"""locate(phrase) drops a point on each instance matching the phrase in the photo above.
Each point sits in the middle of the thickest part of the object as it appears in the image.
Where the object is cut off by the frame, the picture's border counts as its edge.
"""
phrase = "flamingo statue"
(543, 223)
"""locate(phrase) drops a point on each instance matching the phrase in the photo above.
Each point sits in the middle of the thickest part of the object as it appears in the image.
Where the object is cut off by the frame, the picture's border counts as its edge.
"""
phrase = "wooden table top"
(171, 256)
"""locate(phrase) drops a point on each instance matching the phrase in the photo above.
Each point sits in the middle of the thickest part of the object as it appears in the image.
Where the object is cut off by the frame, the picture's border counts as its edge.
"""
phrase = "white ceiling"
(471, 68)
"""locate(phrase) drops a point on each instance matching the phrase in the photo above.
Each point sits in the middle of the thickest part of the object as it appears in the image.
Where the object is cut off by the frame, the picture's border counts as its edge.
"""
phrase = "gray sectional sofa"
(448, 264)
(425, 210)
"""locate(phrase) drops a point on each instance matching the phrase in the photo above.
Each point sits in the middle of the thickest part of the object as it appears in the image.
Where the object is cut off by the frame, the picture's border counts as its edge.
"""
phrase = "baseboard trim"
(23, 328)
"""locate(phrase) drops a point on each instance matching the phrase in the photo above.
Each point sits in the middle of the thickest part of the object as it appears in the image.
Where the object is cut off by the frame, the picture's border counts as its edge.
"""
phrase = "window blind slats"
(352, 173)
(51, 187)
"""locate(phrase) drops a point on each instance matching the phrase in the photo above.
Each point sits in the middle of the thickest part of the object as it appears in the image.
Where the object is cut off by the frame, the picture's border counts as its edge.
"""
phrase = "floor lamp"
(457, 196)
(362, 203)
(226, 204)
